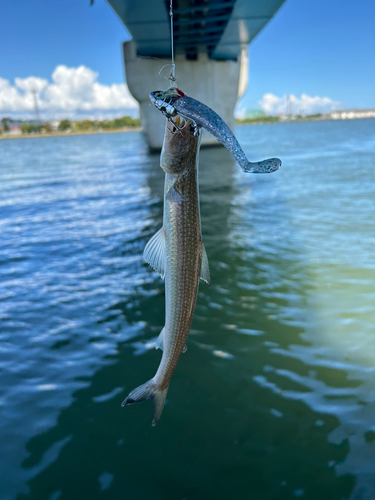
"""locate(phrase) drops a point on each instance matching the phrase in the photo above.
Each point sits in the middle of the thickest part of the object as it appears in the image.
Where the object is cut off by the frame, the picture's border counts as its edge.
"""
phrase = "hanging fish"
(177, 253)
(173, 101)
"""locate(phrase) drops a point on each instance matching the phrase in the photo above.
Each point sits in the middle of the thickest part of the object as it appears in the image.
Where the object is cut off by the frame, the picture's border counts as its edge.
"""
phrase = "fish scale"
(178, 254)
(182, 225)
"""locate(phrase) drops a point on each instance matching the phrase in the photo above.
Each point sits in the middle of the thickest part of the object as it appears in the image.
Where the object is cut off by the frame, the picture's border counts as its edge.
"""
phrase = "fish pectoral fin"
(174, 194)
(155, 252)
(205, 270)
(185, 349)
(160, 341)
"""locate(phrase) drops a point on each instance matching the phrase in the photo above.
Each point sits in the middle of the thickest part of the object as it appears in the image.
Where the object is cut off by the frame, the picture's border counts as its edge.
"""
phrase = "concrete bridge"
(211, 39)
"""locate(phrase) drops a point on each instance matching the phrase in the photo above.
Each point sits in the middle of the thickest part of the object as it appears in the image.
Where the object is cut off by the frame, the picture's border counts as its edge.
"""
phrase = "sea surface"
(275, 396)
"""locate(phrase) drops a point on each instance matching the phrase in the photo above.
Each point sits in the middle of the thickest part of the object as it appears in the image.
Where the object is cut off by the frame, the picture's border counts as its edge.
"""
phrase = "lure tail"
(262, 167)
(149, 390)
(207, 118)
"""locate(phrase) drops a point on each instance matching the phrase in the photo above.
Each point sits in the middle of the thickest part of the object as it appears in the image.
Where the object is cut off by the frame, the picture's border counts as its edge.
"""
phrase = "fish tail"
(149, 390)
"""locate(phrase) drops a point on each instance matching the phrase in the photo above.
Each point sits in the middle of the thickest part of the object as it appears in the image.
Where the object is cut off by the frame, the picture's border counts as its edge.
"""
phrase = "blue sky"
(319, 48)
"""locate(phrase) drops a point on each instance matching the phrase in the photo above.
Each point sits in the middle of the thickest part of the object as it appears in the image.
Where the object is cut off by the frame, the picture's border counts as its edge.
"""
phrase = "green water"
(274, 398)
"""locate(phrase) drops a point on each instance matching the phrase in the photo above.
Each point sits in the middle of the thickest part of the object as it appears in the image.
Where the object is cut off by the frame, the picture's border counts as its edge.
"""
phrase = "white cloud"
(240, 111)
(73, 93)
(304, 105)
(31, 83)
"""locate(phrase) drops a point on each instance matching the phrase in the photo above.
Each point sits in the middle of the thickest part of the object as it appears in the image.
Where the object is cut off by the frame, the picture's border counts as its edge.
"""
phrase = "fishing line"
(172, 75)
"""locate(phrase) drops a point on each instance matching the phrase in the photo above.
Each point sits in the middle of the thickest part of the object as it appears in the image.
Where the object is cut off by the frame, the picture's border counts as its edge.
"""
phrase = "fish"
(174, 102)
(177, 253)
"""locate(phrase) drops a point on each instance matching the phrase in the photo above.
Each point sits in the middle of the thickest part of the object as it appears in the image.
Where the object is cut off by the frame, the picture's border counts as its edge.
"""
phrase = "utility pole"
(37, 115)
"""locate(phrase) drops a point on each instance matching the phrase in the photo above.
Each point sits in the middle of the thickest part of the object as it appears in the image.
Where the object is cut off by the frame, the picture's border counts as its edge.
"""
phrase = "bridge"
(211, 39)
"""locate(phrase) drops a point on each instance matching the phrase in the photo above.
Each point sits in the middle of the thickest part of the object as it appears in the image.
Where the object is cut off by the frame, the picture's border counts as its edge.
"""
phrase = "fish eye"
(163, 109)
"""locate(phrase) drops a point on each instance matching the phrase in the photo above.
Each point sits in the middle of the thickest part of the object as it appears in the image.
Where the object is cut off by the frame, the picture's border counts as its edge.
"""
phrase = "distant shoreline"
(260, 121)
(257, 121)
(68, 134)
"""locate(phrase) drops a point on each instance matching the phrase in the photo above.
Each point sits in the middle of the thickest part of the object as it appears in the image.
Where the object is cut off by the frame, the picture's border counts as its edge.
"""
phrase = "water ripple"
(276, 392)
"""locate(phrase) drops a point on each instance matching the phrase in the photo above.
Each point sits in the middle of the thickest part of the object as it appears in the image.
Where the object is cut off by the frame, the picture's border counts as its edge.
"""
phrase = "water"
(274, 398)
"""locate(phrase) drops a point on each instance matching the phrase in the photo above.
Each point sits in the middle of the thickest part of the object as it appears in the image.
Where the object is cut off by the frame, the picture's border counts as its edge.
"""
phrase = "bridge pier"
(219, 84)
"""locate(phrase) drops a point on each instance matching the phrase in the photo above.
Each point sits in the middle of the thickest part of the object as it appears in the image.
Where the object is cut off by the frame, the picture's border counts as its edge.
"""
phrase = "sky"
(317, 51)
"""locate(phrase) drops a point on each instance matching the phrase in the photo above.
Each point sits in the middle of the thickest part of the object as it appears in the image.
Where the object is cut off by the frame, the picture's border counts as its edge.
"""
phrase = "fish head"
(181, 145)
(163, 100)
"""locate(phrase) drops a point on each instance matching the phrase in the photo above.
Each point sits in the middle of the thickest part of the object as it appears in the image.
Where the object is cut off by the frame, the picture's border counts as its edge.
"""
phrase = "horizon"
(239, 114)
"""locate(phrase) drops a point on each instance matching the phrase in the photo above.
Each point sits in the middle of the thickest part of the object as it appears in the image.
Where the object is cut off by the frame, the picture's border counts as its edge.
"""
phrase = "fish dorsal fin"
(205, 270)
(160, 341)
(155, 252)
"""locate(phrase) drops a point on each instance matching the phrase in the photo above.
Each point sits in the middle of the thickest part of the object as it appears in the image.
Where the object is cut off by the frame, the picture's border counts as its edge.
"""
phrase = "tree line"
(28, 127)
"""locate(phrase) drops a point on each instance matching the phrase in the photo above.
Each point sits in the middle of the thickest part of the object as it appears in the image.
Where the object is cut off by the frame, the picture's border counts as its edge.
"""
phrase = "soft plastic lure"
(174, 102)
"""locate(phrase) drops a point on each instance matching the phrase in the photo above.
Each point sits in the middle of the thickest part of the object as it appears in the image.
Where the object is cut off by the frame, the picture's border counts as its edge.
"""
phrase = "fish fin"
(160, 342)
(205, 269)
(174, 195)
(155, 252)
(158, 400)
(263, 167)
(149, 390)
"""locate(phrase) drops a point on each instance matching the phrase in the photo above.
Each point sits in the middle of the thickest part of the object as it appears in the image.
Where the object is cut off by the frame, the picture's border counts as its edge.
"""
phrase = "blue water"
(275, 397)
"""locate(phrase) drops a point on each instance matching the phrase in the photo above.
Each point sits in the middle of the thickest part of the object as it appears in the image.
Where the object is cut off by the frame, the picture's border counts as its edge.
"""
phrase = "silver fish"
(173, 101)
(177, 253)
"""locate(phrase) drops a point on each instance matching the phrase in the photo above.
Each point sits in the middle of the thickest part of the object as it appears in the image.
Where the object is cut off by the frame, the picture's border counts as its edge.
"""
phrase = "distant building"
(255, 113)
(15, 127)
(55, 124)
(10, 127)
(14, 130)
(351, 114)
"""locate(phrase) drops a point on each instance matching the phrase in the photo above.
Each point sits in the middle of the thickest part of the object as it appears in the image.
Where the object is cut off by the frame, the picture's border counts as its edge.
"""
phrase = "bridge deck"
(218, 27)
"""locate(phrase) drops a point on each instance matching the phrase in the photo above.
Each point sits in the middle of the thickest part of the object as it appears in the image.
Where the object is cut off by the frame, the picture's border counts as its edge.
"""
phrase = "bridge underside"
(211, 38)
(219, 28)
